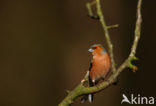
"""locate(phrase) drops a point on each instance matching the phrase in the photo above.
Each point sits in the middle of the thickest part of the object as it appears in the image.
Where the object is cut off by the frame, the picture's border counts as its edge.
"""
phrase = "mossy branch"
(80, 89)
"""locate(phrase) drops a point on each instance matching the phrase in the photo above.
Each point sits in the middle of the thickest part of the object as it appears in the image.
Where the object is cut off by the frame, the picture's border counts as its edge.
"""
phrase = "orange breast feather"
(100, 66)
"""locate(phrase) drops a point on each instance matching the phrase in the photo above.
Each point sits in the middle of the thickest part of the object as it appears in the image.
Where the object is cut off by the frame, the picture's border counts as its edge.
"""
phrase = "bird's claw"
(82, 81)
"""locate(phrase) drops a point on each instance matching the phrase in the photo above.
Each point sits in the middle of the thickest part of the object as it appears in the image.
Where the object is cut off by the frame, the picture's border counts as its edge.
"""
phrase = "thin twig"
(89, 8)
(106, 32)
(112, 26)
(80, 89)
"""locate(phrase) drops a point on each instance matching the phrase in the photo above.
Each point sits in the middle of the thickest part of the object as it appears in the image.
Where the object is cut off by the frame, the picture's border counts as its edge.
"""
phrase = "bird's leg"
(103, 78)
(85, 78)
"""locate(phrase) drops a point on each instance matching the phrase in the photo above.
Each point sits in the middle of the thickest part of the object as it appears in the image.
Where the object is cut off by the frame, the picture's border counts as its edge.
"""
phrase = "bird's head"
(97, 49)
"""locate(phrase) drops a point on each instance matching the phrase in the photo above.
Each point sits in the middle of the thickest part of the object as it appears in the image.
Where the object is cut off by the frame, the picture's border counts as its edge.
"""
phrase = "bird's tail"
(88, 97)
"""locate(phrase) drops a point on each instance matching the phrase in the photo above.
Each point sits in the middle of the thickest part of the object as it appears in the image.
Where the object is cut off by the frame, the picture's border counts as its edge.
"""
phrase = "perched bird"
(99, 67)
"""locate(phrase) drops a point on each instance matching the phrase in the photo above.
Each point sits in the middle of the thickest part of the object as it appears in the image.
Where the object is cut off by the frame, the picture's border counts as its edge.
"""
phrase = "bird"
(99, 68)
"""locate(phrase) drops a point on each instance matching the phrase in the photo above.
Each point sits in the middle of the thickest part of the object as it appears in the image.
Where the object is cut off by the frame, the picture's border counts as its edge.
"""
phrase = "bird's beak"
(90, 50)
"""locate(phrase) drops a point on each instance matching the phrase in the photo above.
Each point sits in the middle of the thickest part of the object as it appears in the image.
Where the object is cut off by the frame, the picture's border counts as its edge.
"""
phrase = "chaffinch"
(99, 67)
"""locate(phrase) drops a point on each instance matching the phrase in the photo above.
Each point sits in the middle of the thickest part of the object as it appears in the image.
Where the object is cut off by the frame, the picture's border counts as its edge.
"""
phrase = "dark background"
(44, 50)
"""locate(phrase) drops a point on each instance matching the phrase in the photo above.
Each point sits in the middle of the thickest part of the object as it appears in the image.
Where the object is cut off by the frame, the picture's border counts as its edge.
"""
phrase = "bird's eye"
(94, 47)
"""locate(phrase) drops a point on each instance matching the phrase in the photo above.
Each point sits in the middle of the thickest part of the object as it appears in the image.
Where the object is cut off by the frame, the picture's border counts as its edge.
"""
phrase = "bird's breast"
(100, 66)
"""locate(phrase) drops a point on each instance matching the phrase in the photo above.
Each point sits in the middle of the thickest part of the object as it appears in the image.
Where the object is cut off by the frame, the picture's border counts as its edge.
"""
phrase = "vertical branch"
(137, 33)
(106, 32)
(89, 7)
(137, 29)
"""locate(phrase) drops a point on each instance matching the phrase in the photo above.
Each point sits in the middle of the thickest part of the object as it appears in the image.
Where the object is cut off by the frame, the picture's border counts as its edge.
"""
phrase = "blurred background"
(44, 50)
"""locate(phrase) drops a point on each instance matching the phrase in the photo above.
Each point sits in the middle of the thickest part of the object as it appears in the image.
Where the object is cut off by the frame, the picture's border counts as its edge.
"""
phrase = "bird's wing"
(90, 67)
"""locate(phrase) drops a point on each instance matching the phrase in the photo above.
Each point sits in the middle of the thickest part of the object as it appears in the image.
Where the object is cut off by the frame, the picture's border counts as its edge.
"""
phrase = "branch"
(106, 32)
(80, 89)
